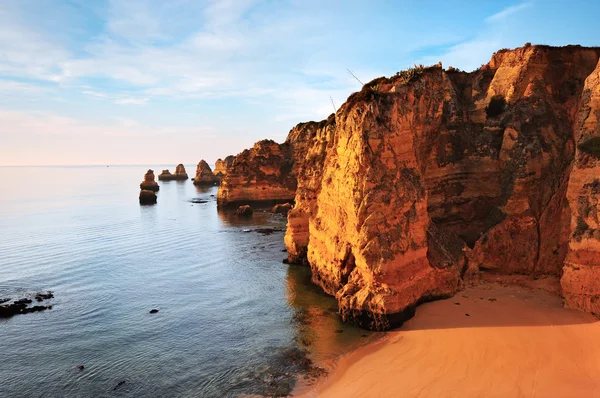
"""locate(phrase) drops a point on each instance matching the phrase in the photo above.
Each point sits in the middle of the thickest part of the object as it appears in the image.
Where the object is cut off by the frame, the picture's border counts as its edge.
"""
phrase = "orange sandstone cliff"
(424, 179)
(264, 174)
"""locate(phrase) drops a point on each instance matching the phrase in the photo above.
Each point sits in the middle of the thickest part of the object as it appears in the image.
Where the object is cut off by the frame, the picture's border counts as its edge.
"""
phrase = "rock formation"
(281, 208)
(260, 174)
(147, 197)
(221, 166)
(149, 183)
(165, 175)
(244, 211)
(204, 175)
(425, 178)
(180, 174)
(422, 180)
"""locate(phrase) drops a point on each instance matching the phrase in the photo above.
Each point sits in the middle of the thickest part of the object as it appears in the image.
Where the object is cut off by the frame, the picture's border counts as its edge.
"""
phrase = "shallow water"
(232, 316)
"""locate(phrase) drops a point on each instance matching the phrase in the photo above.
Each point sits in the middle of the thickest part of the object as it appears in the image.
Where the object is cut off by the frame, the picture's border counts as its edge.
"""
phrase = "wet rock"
(281, 208)
(147, 197)
(120, 384)
(80, 367)
(21, 306)
(244, 211)
(154, 311)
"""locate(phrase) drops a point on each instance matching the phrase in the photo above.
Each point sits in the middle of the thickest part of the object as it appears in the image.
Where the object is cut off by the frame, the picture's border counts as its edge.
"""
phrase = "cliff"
(204, 174)
(261, 174)
(421, 180)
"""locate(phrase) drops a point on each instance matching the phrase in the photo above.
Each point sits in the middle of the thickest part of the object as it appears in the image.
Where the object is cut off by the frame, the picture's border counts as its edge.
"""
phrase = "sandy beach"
(501, 338)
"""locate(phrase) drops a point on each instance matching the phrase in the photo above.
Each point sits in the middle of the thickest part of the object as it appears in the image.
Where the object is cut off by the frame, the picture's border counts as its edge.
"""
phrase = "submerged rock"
(244, 211)
(149, 183)
(21, 306)
(147, 197)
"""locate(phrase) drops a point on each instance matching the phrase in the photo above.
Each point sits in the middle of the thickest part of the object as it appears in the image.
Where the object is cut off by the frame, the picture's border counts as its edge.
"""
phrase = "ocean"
(233, 319)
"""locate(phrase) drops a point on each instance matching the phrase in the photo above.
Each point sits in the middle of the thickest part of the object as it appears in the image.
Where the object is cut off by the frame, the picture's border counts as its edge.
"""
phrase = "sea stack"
(204, 175)
(149, 183)
(165, 175)
(180, 173)
(147, 197)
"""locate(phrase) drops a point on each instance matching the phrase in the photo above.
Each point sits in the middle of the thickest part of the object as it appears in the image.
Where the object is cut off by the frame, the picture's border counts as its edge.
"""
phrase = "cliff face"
(581, 277)
(204, 174)
(422, 179)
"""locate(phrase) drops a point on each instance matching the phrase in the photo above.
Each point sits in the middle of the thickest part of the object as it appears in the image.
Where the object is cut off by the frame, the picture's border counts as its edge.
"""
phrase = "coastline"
(517, 340)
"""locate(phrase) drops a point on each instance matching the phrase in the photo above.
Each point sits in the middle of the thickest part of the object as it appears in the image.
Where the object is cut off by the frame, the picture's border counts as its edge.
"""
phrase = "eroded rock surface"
(180, 174)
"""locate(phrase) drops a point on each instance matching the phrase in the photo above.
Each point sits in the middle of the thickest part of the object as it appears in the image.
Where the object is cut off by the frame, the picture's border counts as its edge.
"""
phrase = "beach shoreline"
(504, 336)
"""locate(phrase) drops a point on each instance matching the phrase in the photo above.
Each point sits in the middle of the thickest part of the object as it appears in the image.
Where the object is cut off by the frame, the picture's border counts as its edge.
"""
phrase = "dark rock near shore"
(21, 306)
(244, 211)
(281, 209)
(153, 311)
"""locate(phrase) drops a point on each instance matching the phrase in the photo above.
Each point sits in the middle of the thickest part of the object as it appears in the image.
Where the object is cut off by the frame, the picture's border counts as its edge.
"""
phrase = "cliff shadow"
(499, 301)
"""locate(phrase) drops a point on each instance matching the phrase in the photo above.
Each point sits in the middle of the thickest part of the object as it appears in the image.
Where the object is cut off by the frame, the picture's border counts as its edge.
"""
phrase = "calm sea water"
(232, 317)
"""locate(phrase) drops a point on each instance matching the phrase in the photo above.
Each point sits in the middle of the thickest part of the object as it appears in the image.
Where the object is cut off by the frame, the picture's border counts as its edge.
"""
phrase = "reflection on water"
(233, 319)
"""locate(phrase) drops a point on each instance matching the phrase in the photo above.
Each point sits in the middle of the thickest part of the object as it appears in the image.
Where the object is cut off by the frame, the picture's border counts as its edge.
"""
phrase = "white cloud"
(131, 101)
(502, 15)
(95, 94)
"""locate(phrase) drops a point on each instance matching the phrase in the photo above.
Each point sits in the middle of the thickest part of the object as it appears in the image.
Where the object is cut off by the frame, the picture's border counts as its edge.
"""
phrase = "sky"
(167, 82)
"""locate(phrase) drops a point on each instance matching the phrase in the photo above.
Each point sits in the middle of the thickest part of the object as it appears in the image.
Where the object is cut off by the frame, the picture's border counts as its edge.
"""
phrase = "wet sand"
(506, 337)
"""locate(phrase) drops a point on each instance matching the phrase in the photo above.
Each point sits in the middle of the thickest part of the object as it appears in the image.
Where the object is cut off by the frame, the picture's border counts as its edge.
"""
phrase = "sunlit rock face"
(581, 274)
(221, 166)
(265, 173)
(204, 174)
(149, 182)
(422, 179)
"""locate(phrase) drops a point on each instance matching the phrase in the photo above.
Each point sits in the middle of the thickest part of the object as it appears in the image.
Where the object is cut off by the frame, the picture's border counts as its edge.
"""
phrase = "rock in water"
(149, 183)
(244, 211)
(204, 175)
(180, 173)
(281, 208)
(147, 197)
(166, 175)
(153, 311)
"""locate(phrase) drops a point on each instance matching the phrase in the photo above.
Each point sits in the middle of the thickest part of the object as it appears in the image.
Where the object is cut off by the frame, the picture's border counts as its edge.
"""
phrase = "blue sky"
(164, 82)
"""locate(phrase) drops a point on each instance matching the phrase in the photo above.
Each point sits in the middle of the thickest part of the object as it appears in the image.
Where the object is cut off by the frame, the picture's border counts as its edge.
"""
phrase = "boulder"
(244, 211)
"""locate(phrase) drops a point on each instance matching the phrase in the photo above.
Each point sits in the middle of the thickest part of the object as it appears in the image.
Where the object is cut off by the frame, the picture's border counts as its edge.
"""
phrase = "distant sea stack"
(221, 167)
(180, 174)
(422, 180)
(204, 174)
(149, 183)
